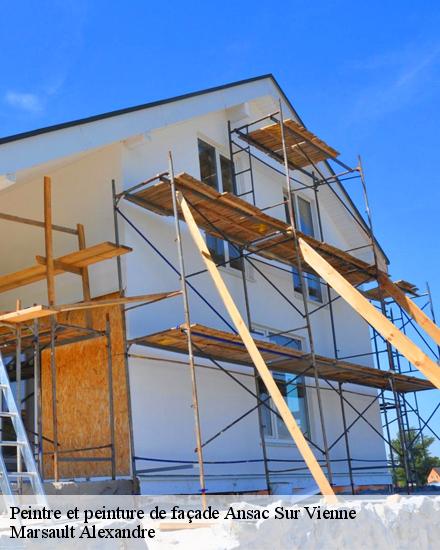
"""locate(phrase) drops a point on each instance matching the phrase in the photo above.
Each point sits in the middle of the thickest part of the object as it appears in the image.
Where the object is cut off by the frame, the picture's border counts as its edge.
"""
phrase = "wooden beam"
(146, 298)
(50, 269)
(360, 304)
(59, 266)
(256, 356)
(35, 312)
(84, 270)
(79, 258)
(26, 314)
(36, 223)
(410, 307)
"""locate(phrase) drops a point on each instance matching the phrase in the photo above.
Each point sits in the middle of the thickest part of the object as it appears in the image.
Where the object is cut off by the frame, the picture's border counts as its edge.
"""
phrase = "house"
(434, 476)
(132, 417)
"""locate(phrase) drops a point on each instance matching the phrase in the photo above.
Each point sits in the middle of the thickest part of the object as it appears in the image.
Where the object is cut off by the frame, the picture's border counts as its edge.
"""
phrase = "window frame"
(228, 259)
(307, 275)
(274, 437)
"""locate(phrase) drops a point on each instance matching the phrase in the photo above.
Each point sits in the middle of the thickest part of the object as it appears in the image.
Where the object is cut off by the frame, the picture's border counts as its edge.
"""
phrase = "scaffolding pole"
(293, 225)
(195, 399)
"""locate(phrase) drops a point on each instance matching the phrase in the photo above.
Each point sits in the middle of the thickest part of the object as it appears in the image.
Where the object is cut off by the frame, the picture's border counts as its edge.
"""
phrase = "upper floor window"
(216, 170)
(304, 215)
(293, 391)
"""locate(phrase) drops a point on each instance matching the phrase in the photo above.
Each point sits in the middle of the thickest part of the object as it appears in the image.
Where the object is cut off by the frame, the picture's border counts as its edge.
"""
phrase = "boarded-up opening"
(83, 398)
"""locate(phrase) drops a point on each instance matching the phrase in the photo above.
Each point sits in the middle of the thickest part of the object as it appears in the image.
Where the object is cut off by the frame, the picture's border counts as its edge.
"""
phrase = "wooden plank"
(410, 307)
(228, 347)
(360, 304)
(35, 223)
(266, 376)
(59, 266)
(226, 215)
(48, 241)
(146, 298)
(27, 314)
(80, 258)
(38, 311)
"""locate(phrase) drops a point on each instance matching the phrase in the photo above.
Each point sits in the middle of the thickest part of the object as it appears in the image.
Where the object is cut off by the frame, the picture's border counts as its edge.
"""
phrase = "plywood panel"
(83, 400)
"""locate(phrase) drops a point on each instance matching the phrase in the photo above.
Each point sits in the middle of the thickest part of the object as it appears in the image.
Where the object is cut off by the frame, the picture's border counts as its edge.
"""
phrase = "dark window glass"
(217, 248)
(286, 207)
(293, 391)
(266, 415)
(305, 217)
(235, 260)
(294, 394)
(314, 284)
(227, 175)
(296, 280)
(286, 340)
(208, 174)
(208, 164)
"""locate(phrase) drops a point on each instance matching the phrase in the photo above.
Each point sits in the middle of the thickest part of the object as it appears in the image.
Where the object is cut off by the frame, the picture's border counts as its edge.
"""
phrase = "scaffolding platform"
(226, 216)
(72, 262)
(377, 292)
(303, 147)
(228, 347)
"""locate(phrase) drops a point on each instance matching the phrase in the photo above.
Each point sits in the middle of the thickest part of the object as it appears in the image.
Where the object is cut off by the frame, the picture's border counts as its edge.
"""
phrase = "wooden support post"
(38, 439)
(50, 278)
(111, 412)
(266, 376)
(410, 307)
(376, 319)
(53, 373)
(84, 270)
(50, 269)
(84, 273)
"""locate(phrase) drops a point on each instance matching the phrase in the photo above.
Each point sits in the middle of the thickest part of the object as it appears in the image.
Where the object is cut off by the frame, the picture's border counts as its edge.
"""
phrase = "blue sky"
(364, 76)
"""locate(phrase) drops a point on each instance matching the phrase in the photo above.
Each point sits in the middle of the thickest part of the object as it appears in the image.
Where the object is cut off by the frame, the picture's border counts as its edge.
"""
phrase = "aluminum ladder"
(11, 481)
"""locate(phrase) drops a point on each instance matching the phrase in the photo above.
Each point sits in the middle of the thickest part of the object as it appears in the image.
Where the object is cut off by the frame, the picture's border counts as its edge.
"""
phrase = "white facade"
(132, 147)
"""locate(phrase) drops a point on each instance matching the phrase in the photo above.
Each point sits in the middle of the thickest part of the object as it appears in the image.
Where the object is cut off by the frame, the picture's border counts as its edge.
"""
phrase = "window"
(304, 216)
(216, 171)
(293, 391)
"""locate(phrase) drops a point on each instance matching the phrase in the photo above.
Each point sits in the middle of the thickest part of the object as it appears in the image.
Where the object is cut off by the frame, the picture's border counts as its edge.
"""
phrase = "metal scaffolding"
(395, 406)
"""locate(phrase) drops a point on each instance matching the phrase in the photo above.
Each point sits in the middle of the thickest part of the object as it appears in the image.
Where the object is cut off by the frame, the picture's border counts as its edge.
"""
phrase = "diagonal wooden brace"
(410, 307)
(376, 319)
(266, 376)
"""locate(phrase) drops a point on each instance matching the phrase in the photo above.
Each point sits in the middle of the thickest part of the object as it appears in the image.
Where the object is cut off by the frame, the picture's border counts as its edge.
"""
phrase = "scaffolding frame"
(24, 336)
(397, 402)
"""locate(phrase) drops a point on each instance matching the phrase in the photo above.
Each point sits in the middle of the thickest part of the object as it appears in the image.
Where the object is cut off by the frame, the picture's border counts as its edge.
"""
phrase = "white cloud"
(26, 101)
(396, 80)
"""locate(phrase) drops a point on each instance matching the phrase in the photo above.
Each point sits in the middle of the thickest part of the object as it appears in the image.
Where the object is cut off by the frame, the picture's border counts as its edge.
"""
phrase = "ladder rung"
(4, 414)
(11, 443)
(21, 474)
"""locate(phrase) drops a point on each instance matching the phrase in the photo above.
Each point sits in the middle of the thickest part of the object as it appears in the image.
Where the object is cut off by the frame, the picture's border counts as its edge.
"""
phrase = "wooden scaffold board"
(376, 319)
(229, 348)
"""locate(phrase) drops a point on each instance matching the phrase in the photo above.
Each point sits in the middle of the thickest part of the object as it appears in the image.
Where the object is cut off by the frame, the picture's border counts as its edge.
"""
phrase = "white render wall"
(160, 388)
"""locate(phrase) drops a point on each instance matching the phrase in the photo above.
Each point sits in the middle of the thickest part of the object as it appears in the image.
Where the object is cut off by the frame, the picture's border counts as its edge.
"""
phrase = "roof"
(110, 114)
(152, 104)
